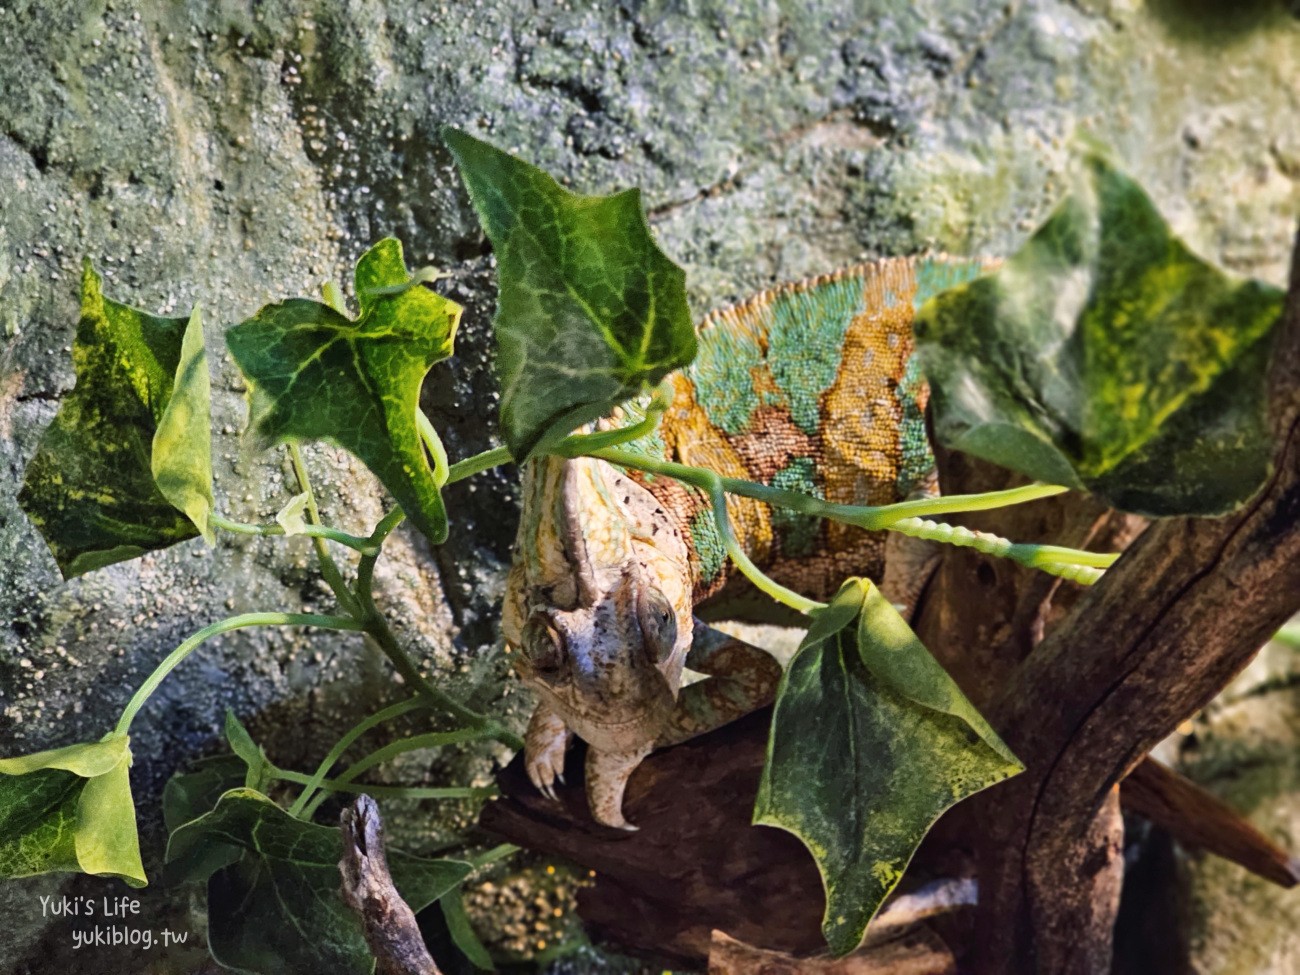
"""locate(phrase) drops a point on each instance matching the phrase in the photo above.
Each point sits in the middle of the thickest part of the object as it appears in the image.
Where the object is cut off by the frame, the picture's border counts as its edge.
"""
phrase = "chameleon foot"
(607, 775)
(545, 742)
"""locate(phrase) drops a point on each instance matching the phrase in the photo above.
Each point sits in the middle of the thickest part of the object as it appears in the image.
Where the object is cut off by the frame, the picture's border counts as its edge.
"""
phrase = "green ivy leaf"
(317, 375)
(871, 741)
(257, 773)
(1105, 355)
(589, 313)
(188, 795)
(70, 809)
(273, 887)
(462, 932)
(293, 516)
(126, 466)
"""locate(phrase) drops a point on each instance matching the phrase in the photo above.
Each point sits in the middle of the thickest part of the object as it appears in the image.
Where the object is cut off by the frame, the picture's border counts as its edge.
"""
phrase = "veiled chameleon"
(811, 386)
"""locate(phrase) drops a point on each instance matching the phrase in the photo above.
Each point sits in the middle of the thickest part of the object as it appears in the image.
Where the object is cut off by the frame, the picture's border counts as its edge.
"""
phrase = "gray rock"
(233, 152)
(1246, 749)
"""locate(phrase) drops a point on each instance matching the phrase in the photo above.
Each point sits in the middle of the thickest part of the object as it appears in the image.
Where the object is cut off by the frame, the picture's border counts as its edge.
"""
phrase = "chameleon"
(811, 386)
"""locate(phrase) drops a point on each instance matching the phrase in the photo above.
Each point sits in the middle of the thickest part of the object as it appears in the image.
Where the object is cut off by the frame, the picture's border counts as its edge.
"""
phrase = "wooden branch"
(1201, 821)
(1181, 614)
(696, 864)
(387, 921)
(916, 952)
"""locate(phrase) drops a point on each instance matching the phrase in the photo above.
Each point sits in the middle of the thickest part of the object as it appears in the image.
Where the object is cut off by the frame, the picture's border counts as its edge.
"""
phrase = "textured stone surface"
(1246, 749)
(233, 152)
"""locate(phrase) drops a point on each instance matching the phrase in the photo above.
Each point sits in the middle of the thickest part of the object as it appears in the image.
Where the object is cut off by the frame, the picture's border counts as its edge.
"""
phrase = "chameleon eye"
(544, 647)
(658, 624)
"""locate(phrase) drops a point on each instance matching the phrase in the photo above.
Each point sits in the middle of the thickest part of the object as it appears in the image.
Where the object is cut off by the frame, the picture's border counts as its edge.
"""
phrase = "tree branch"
(1184, 611)
(387, 921)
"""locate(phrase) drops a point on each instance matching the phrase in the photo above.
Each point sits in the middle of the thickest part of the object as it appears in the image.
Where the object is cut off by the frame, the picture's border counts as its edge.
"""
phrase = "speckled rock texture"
(1245, 748)
(234, 152)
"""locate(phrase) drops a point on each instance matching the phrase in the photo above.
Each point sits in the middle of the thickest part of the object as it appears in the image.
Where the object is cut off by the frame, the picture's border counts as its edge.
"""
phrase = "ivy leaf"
(126, 466)
(258, 768)
(188, 795)
(293, 516)
(871, 741)
(317, 375)
(589, 313)
(273, 887)
(462, 932)
(1105, 355)
(70, 809)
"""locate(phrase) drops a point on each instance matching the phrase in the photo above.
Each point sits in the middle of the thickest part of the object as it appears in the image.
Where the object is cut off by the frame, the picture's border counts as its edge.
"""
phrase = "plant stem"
(344, 743)
(478, 464)
(766, 584)
(385, 528)
(493, 855)
(170, 662)
(395, 791)
(574, 445)
(905, 517)
(377, 629)
(433, 739)
(887, 516)
(415, 743)
(578, 444)
(328, 568)
(433, 443)
(1082, 567)
(355, 542)
(863, 516)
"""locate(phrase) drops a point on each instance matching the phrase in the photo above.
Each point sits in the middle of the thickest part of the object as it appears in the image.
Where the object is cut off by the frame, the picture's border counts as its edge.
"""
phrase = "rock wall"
(233, 152)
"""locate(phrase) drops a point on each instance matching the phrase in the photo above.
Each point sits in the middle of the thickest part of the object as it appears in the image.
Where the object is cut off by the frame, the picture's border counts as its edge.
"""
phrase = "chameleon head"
(598, 603)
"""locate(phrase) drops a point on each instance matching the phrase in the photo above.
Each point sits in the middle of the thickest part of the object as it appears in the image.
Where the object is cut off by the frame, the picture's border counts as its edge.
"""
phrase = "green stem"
(366, 565)
(433, 739)
(886, 516)
(493, 855)
(344, 743)
(415, 743)
(903, 517)
(433, 443)
(329, 570)
(863, 516)
(170, 662)
(377, 629)
(764, 583)
(355, 542)
(394, 791)
(578, 444)
(385, 528)
(1072, 564)
(478, 464)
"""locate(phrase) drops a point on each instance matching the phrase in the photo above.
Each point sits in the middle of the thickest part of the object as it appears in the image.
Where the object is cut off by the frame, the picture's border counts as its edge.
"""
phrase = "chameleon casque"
(810, 386)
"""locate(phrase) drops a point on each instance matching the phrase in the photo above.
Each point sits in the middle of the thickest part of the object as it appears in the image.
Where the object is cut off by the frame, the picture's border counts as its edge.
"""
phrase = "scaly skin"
(812, 387)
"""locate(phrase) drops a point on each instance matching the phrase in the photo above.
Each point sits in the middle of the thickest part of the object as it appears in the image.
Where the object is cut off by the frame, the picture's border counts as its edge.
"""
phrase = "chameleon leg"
(545, 741)
(607, 775)
(742, 678)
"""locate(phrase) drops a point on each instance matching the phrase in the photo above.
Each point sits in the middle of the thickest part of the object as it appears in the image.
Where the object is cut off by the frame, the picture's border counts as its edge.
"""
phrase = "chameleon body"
(811, 386)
